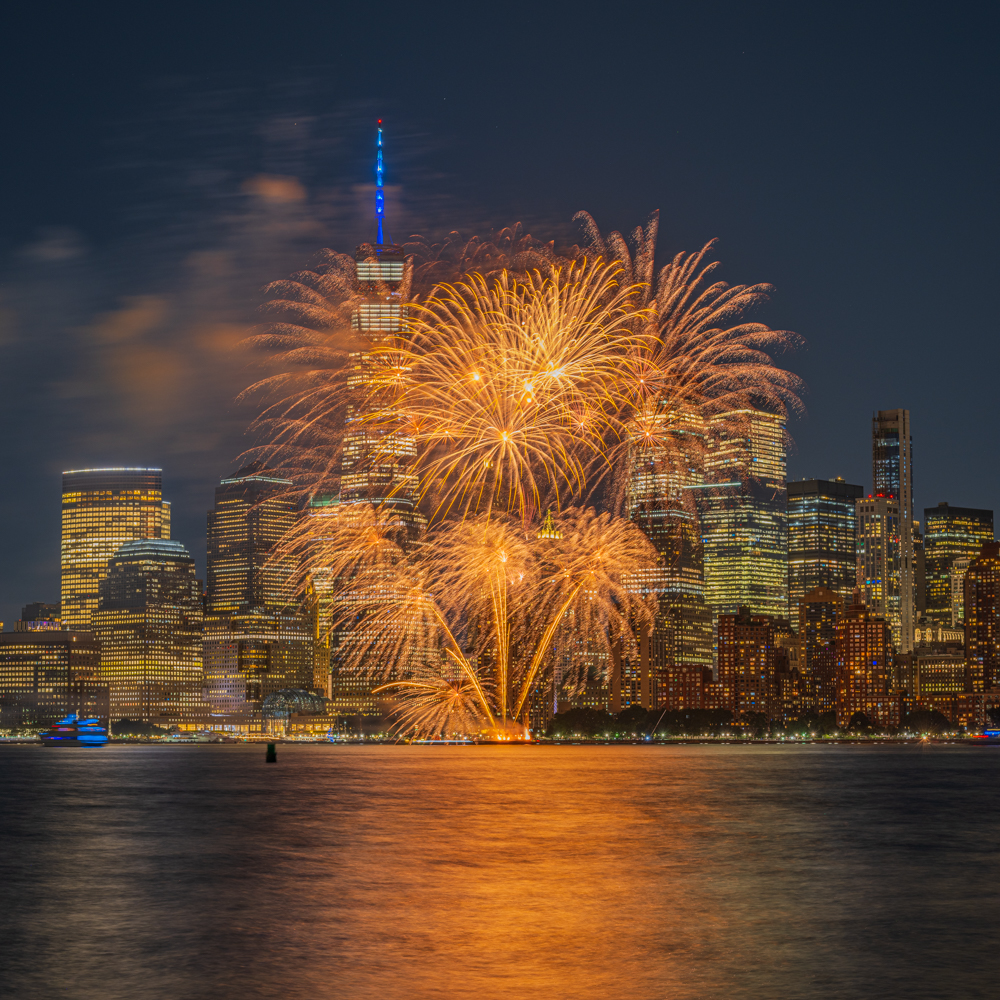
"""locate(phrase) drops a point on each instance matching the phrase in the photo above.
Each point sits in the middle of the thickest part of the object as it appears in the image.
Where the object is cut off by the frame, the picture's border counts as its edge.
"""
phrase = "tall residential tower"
(892, 478)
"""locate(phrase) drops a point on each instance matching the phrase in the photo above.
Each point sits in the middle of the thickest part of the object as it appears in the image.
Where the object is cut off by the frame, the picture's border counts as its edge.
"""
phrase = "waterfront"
(575, 871)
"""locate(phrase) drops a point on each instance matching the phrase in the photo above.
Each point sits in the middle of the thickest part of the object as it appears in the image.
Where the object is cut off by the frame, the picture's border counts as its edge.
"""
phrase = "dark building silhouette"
(39, 616)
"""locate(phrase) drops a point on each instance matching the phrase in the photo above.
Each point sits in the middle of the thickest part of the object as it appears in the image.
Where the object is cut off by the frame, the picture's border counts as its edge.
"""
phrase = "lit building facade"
(982, 619)
(950, 533)
(148, 622)
(47, 674)
(822, 525)
(819, 611)
(864, 666)
(661, 501)
(747, 659)
(375, 465)
(892, 477)
(102, 509)
(743, 513)
(879, 573)
(39, 617)
(257, 638)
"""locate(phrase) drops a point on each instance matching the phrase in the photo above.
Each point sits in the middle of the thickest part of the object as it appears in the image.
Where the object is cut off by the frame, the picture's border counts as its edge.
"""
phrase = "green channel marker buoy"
(272, 755)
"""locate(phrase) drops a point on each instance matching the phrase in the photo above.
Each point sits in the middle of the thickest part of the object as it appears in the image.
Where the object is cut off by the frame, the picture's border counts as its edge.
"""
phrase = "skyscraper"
(253, 509)
(892, 477)
(375, 462)
(949, 534)
(148, 622)
(743, 512)
(374, 466)
(879, 561)
(102, 509)
(822, 524)
(257, 638)
(661, 502)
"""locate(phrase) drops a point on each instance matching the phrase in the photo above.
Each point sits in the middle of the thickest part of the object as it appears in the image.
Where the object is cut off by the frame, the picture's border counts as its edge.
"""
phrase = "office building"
(743, 512)
(102, 509)
(47, 674)
(258, 639)
(148, 622)
(879, 561)
(864, 665)
(747, 654)
(892, 478)
(821, 537)
(982, 619)
(375, 461)
(950, 533)
(661, 500)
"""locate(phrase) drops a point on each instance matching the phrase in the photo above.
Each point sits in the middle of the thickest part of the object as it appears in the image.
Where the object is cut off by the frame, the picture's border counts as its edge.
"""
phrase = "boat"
(75, 732)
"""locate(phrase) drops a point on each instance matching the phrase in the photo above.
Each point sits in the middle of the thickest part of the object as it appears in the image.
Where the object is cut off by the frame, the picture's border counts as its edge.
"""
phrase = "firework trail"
(521, 377)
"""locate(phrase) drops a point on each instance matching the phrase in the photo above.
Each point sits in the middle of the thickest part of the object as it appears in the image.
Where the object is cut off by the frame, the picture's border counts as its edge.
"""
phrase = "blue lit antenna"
(379, 192)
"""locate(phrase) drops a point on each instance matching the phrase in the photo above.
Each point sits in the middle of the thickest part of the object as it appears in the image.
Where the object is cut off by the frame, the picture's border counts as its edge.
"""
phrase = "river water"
(573, 872)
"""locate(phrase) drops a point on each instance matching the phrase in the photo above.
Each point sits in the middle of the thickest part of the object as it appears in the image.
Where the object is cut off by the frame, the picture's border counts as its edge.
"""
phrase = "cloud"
(54, 245)
(275, 188)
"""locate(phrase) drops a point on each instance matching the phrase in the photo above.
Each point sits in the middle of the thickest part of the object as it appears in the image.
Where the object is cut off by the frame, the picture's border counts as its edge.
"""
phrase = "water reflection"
(681, 872)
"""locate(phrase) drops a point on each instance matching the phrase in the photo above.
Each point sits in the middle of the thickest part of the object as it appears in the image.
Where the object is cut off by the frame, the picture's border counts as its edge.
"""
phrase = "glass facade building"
(661, 500)
(102, 509)
(950, 533)
(743, 513)
(148, 622)
(822, 525)
(892, 477)
(257, 638)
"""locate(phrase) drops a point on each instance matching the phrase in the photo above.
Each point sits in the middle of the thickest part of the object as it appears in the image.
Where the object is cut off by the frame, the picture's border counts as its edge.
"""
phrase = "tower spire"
(379, 192)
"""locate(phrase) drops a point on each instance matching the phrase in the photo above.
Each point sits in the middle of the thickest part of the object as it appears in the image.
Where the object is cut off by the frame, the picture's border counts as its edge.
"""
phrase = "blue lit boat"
(75, 732)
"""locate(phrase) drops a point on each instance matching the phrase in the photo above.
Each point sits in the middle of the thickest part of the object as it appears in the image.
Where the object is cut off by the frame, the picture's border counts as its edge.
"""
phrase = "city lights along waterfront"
(415, 549)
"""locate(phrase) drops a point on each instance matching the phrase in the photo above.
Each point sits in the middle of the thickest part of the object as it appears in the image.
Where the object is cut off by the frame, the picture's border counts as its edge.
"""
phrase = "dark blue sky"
(845, 153)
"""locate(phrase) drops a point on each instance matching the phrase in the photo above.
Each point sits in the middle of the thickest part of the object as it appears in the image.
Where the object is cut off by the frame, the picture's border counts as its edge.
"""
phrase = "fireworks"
(512, 388)
(461, 626)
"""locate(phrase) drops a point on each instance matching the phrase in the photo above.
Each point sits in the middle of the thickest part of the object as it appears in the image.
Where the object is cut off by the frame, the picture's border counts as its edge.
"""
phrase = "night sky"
(162, 162)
